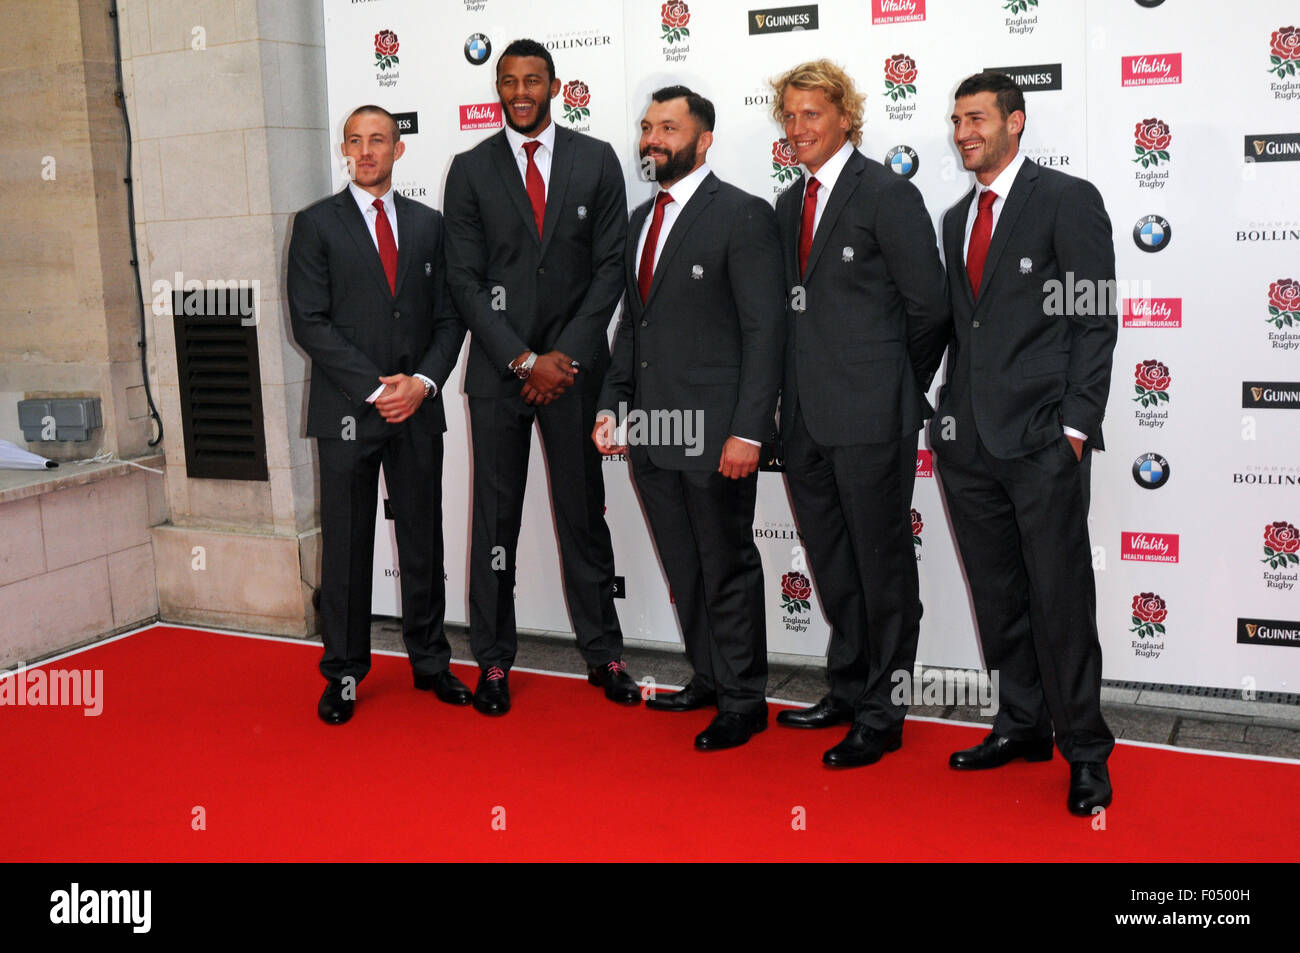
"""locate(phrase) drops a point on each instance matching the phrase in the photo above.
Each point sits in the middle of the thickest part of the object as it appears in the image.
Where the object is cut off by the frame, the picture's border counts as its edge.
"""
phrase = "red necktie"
(978, 249)
(536, 187)
(809, 218)
(387, 245)
(645, 274)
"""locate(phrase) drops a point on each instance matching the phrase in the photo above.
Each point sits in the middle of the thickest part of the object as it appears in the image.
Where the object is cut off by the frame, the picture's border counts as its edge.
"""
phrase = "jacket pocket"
(1047, 364)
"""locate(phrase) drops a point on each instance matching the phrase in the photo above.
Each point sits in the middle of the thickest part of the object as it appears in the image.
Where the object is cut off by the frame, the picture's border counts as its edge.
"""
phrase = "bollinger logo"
(795, 593)
(1151, 138)
(1155, 69)
(385, 49)
(785, 164)
(900, 76)
(1151, 382)
(674, 16)
(576, 97)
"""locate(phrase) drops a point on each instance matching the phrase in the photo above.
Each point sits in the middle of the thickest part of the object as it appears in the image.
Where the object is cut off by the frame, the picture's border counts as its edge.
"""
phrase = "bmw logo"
(1152, 233)
(902, 160)
(478, 48)
(1151, 471)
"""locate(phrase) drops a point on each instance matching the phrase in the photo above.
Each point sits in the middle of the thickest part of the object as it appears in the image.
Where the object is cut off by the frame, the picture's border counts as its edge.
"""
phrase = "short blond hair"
(832, 80)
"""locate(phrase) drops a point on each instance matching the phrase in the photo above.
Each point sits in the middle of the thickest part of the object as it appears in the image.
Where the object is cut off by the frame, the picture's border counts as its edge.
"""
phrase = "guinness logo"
(1259, 146)
(1251, 629)
(1257, 392)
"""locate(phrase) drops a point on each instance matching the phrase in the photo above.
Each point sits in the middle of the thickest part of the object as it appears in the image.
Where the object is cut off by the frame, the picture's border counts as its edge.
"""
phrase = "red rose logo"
(917, 525)
(785, 163)
(1151, 138)
(385, 48)
(1149, 613)
(795, 592)
(1151, 381)
(675, 15)
(1284, 302)
(900, 69)
(576, 97)
(1281, 543)
(1285, 44)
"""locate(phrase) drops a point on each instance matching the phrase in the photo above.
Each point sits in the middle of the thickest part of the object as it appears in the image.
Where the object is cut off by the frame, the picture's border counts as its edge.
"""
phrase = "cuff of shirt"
(1071, 432)
(433, 387)
(375, 396)
(752, 443)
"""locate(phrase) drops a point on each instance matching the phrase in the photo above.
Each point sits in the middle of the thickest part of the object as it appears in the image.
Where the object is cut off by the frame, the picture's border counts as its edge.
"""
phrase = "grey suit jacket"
(709, 337)
(867, 323)
(353, 326)
(518, 292)
(1017, 373)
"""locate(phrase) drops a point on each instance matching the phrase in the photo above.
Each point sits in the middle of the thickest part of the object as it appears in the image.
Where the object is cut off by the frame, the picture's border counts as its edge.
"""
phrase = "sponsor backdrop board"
(1190, 134)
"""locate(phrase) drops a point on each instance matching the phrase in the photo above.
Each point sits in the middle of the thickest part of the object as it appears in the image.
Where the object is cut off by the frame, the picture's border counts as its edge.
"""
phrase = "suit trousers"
(1022, 527)
(853, 505)
(501, 429)
(349, 490)
(703, 527)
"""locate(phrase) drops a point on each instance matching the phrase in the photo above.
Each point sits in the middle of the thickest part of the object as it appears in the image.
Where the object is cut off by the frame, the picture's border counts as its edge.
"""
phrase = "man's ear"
(398, 150)
(1016, 123)
(555, 87)
(706, 143)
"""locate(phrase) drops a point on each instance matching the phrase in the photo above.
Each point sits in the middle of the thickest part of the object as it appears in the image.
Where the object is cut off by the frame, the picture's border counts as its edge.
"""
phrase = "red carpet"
(200, 719)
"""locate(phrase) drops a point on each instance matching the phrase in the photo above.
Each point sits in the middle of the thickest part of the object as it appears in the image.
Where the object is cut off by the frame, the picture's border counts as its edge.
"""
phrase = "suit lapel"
(954, 232)
(1015, 203)
(508, 169)
(355, 225)
(847, 183)
(405, 238)
(561, 167)
(790, 226)
(631, 262)
(699, 201)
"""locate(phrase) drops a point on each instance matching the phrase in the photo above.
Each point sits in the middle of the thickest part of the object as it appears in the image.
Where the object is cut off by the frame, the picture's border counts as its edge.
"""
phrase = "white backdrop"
(1203, 82)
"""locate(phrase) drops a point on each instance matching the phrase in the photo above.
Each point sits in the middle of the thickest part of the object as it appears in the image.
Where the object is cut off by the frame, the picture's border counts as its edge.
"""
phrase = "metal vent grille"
(1200, 691)
(220, 384)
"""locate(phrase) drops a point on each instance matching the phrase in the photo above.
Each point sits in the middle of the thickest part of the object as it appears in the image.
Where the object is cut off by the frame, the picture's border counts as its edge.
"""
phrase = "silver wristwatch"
(525, 367)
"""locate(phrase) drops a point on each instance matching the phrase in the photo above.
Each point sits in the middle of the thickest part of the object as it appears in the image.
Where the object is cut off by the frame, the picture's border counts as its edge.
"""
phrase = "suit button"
(541, 271)
(397, 314)
(645, 324)
(645, 363)
(974, 324)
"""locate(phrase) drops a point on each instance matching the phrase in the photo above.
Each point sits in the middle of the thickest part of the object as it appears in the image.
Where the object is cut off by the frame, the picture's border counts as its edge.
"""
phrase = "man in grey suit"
(368, 302)
(866, 325)
(694, 377)
(536, 218)
(1014, 431)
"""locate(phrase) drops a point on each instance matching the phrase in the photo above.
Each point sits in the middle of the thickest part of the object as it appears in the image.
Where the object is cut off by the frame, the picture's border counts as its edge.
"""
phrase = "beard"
(676, 164)
(541, 113)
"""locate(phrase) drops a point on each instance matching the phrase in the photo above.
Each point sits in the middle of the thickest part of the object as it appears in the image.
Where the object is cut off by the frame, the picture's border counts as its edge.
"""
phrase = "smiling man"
(1017, 420)
(866, 324)
(536, 219)
(369, 304)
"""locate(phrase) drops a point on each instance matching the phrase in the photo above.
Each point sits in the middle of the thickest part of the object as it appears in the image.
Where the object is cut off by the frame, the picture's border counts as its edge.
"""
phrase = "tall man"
(866, 326)
(369, 304)
(698, 357)
(1017, 420)
(536, 220)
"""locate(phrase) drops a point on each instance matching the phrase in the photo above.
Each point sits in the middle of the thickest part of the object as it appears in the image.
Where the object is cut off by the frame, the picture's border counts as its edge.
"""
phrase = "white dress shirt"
(1001, 187)
(826, 178)
(541, 158)
(681, 191)
(366, 203)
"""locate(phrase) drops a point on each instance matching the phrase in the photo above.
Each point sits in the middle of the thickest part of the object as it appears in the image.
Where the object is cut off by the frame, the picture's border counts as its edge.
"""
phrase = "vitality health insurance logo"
(1151, 138)
(1284, 55)
(1148, 617)
(674, 18)
(480, 116)
(386, 47)
(796, 609)
(897, 11)
(1152, 312)
(1151, 381)
(1151, 69)
(924, 463)
(577, 97)
(1281, 543)
(900, 83)
(1020, 23)
(1148, 547)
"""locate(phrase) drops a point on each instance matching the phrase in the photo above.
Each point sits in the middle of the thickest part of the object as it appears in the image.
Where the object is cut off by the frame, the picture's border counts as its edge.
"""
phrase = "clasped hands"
(739, 458)
(553, 373)
(401, 397)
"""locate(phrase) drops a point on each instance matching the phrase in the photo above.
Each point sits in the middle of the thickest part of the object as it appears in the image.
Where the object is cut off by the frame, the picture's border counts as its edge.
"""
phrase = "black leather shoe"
(618, 684)
(688, 699)
(730, 729)
(446, 686)
(492, 697)
(863, 745)
(1089, 787)
(995, 751)
(826, 713)
(334, 709)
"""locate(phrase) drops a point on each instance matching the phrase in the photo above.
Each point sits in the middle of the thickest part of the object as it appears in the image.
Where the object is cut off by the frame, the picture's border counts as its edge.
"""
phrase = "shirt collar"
(546, 137)
(684, 188)
(365, 200)
(1002, 184)
(830, 171)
